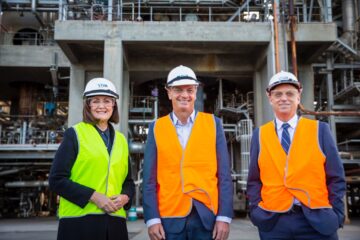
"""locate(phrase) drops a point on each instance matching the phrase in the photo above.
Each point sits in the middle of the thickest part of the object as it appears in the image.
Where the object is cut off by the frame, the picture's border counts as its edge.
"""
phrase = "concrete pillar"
(258, 99)
(267, 112)
(306, 77)
(76, 89)
(113, 68)
(124, 109)
(283, 51)
(266, 72)
(265, 69)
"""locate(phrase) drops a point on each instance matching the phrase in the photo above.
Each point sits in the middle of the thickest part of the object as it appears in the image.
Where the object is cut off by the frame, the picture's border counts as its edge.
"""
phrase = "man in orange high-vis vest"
(187, 187)
(296, 180)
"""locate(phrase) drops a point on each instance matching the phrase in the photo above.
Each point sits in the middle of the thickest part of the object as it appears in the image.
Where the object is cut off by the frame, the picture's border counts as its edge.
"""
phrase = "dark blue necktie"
(285, 137)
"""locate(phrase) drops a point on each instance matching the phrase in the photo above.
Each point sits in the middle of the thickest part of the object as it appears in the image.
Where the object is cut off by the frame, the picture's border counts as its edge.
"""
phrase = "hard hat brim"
(101, 93)
(183, 82)
(275, 84)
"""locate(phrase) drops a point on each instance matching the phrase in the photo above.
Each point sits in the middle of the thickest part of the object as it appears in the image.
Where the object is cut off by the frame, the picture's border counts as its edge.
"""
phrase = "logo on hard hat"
(282, 78)
(102, 85)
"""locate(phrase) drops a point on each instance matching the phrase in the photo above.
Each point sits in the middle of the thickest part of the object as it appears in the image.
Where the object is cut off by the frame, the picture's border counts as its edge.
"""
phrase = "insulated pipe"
(348, 16)
(136, 147)
(17, 184)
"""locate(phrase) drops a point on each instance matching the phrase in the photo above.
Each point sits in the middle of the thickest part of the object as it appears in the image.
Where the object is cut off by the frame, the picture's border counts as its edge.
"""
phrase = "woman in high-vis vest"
(91, 172)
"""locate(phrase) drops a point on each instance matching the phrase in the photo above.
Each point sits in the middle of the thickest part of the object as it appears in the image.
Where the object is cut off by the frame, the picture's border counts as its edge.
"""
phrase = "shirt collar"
(176, 121)
(292, 122)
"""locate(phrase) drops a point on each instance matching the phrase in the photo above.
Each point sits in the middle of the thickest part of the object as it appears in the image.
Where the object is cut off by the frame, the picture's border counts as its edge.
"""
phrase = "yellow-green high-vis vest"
(95, 169)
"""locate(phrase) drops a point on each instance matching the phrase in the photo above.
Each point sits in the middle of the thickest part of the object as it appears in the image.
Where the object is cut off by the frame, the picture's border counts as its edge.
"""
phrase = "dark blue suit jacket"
(325, 221)
(150, 202)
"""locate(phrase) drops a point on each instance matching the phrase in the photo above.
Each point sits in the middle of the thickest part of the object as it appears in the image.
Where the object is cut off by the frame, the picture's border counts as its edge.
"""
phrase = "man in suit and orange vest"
(187, 187)
(296, 180)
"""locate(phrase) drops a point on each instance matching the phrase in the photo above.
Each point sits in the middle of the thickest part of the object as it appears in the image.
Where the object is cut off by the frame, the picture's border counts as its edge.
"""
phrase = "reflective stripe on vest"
(186, 174)
(95, 169)
(299, 174)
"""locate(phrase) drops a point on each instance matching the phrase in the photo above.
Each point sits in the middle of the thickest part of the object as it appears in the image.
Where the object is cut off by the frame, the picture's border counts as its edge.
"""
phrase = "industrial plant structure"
(49, 49)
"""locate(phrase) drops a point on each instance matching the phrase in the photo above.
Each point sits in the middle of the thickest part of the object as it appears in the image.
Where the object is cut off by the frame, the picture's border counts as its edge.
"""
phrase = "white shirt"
(293, 123)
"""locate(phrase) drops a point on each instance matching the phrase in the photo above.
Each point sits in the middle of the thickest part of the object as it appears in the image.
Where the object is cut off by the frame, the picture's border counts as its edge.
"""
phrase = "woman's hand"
(120, 200)
(103, 202)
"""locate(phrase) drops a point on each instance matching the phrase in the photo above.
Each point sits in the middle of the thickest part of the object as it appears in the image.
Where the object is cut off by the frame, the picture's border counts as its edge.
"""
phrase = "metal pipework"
(276, 37)
(328, 113)
(293, 41)
(136, 147)
(348, 19)
(147, 120)
(348, 15)
(19, 184)
(33, 10)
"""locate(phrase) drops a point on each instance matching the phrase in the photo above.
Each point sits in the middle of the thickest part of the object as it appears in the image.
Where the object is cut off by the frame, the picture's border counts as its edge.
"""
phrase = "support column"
(113, 69)
(306, 77)
(124, 110)
(330, 92)
(266, 72)
(283, 50)
(258, 99)
(76, 89)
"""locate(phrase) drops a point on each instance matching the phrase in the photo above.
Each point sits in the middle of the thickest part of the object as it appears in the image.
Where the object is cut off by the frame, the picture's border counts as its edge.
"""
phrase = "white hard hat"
(181, 75)
(100, 86)
(281, 78)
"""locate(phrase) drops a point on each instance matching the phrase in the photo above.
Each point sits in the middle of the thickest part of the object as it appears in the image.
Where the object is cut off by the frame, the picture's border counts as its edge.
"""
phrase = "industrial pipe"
(276, 37)
(348, 20)
(18, 184)
(292, 36)
(33, 10)
(136, 147)
(328, 113)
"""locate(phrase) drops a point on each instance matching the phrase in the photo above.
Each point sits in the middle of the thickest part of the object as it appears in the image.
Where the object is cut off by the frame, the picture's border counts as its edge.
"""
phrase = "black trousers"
(93, 227)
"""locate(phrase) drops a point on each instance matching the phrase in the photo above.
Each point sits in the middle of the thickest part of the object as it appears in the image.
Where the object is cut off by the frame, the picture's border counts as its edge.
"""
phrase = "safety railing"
(216, 13)
(131, 12)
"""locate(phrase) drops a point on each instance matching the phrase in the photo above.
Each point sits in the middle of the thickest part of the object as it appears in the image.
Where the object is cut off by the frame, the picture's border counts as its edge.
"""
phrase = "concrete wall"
(31, 56)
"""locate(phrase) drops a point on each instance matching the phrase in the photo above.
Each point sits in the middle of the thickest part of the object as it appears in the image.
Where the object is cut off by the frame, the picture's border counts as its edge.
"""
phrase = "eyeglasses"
(189, 91)
(107, 102)
(288, 94)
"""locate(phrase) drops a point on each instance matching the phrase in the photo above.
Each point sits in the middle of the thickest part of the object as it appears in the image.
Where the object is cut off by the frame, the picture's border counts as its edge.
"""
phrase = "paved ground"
(45, 229)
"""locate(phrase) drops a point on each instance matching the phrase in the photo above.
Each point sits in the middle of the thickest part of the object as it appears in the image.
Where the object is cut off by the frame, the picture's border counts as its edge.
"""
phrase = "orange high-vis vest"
(301, 174)
(186, 174)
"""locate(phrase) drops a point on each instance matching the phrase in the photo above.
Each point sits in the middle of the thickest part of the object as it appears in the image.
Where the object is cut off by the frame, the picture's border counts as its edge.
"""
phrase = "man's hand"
(156, 232)
(103, 202)
(221, 230)
(120, 200)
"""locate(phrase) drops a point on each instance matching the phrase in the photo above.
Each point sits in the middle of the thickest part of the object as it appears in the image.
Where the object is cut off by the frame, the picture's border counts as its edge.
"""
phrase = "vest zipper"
(108, 171)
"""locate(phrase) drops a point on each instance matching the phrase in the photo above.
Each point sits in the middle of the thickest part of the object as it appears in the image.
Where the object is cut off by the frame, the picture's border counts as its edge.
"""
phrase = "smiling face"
(284, 100)
(101, 107)
(182, 98)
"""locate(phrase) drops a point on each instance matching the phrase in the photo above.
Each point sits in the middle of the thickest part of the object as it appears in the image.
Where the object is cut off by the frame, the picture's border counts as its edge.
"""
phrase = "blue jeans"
(193, 230)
